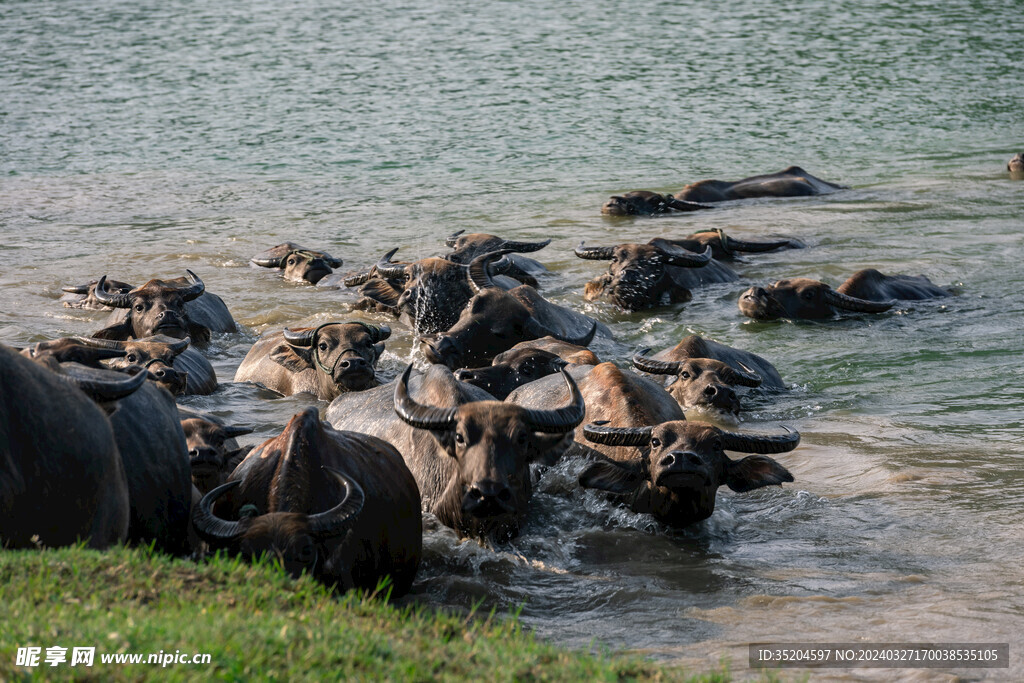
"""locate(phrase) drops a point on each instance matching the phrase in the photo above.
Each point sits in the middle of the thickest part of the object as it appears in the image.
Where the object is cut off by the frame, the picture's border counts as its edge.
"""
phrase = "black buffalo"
(170, 362)
(296, 263)
(675, 468)
(212, 450)
(338, 505)
(789, 182)
(646, 203)
(470, 454)
(466, 247)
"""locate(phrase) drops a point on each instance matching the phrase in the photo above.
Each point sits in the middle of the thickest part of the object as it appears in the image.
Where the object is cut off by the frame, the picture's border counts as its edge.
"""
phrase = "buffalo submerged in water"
(296, 263)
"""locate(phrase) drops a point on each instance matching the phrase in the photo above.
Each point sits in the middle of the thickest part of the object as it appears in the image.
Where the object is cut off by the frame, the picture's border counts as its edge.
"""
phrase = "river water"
(139, 139)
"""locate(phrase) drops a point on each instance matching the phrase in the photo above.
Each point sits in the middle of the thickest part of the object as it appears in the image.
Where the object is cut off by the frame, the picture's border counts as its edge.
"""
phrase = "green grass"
(257, 623)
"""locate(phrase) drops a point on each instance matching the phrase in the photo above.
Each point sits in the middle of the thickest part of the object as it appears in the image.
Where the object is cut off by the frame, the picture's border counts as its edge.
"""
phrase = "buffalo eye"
(521, 438)
(685, 374)
(306, 553)
(807, 294)
(132, 358)
(459, 439)
(139, 307)
(526, 371)
(655, 442)
(717, 444)
(291, 261)
(322, 346)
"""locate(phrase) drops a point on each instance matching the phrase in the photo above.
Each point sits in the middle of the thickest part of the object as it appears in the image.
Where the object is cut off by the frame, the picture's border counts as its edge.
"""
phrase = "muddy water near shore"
(139, 140)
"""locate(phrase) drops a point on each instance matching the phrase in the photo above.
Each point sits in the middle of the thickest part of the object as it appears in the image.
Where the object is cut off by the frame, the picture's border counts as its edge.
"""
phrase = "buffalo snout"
(487, 499)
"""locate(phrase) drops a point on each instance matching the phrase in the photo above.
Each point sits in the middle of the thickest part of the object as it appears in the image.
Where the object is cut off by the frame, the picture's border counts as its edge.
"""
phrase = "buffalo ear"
(382, 292)
(608, 475)
(753, 472)
(199, 333)
(233, 459)
(119, 331)
(378, 350)
(548, 449)
(294, 358)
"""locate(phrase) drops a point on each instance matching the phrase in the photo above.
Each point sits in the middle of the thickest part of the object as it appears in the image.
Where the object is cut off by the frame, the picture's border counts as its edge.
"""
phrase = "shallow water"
(140, 139)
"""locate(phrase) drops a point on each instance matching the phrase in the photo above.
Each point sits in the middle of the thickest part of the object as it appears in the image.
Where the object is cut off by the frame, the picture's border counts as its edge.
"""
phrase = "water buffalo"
(676, 467)
(82, 350)
(702, 384)
(644, 275)
(61, 476)
(725, 248)
(609, 393)
(429, 294)
(170, 362)
(645, 203)
(516, 367)
(695, 347)
(296, 263)
(339, 505)
(470, 454)
(1016, 163)
(177, 308)
(495, 320)
(790, 182)
(84, 296)
(325, 360)
(570, 353)
(522, 268)
(866, 291)
(212, 450)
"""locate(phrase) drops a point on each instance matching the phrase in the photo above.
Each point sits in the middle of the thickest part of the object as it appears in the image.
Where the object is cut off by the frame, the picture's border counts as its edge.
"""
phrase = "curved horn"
(335, 521)
(594, 253)
(78, 289)
(761, 443)
(684, 257)
(656, 367)
(93, 343)
(617, 436)
(559, 420)
(420, 416)
(357, 279)
(113, 300)
(450, 240)
(732, 244)
(580, 341)
(268, 262)
(232, 431)
(304, 338)
(209, 526)
(749, 378)
(388, 269)
(479, 271)
(95, 384)
(331, 261)
(378, 333)
(524, 247)
(195, 289)
(177, 346)
(852, 303)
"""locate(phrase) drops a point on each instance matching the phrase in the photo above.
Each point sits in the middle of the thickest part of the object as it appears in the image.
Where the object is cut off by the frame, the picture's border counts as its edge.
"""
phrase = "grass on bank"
(258, 623)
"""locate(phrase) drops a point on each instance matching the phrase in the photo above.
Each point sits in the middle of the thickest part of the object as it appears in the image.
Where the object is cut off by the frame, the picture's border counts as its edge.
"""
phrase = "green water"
(140, 139)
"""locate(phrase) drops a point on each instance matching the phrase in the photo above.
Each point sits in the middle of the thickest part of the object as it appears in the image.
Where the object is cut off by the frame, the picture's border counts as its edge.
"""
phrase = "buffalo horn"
(357, 279)
(211, 528)
(388, 269)
(535, 328)
(559, 420)
(732, 244)
(524, 247)
(303, 338)
(684, 257)
(617, 436)
(450, 240)
(761, 443)
(268, 261)
(108, 299)
(378, 333)
(479, 270)
(656, 367)
(232, 431)
(78, 289)
(594, 253)
(335, 521)
(420, 416)
(195, 288)
(93, 343)
(95, 382)
(749, 378)
(852, 303)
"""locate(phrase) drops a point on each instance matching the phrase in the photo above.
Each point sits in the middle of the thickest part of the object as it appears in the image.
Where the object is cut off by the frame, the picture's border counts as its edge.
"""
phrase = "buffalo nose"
(465, 376)
(711, 391)
(760, 292)
(488, 497)
(681, 459)
(352, 363)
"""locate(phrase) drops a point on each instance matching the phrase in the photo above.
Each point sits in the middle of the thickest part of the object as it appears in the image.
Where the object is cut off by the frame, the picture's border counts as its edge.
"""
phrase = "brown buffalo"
(170, 362)
(867, 291)
(644, 275)
(324, 361)
(495, 320)
(702, 384)
(790, 182)
(82, 350)
(470, 454)
(162, 307)
(646, 203)
(725, 247)
(516, 367)
(609, 393)
(83, 296)
(1016, 164)
(61, 476)
(212, 451)
(467, 247)
(338, 505)
(676, 467)
(570, 353)
(296, 263)
(695, 347)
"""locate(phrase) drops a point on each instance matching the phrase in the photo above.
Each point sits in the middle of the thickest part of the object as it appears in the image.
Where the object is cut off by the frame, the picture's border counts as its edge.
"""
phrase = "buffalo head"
(802, 298)
(681, 464)
(492, 444)
(1016, 163)
(640, 275)
(515, 368)
(298, 264)
(645, 203)
(702, 383)
(208, 454)
(156, 355)
(344, 355)
(156, 307)
(83, 350)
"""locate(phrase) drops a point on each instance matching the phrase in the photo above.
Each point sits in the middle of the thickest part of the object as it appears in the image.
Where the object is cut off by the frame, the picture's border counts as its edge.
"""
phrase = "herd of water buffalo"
(509, 383)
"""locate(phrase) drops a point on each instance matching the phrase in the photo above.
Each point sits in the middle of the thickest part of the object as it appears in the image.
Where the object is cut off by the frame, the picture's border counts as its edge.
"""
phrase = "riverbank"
(255, 622)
